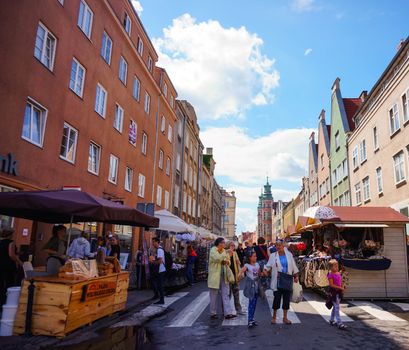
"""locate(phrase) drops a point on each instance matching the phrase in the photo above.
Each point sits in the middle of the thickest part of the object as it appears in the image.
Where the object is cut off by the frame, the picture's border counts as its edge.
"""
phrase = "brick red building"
(84, 104)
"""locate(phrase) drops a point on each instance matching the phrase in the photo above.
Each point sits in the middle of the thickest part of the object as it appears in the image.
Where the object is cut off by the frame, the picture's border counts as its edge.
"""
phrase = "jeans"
(335, 310)
(157, 285)
(252, 308)
(189, 269)
(286, 295)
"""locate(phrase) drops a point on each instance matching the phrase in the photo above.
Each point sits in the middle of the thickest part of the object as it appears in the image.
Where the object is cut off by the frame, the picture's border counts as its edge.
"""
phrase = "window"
(322, 161)
(405, 106)
(189, 205)
(106, 48)
(136, 90)
(394, 119)
(168, 166)
(68, 143)
(178, 162)
(159, 195)
(186, 173)
(365, 185)
(170, 133)
(165, 90)
(362, 151)
(375, 139)
(77, 77)
(172, 101)
(133, 129)
(140, 46)
(176, 197)
(128, 179)
(184, 201)
(379, 181)
(339, 173)
(141, 185)
(399, 167)
(113, 169)
(180, 127)
(61, 2)
(94, 158)
(35, 117)
(355, 157)
(334, 178)
(337, 140)
(147, 105)
(336, 201)
(119, 118)
(144, 143)
(358, 193)
(347, 199)
(127, 23)
(163, 124)
(101, 100)
(341, 200)
(150, 64)
(166, 200)
(123, 70)
(85, 18)
(345, 168)
(160, 159)
(45, 45)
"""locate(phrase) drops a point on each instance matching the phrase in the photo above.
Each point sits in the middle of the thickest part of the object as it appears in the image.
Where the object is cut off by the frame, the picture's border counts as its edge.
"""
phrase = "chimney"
(209, 151)
(401, 42)
(363, 96)
(335, 86)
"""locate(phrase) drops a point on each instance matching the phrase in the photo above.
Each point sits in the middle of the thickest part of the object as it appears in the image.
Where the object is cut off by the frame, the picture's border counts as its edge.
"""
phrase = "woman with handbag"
(220, 275)
(235, 267)
(283, 272)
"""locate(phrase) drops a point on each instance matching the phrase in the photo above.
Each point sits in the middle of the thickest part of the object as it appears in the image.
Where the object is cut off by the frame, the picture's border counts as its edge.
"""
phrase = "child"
(252, 270)
(336, 291)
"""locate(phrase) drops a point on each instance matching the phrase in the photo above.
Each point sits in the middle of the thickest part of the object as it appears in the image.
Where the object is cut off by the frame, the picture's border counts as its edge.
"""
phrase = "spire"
(267, 191)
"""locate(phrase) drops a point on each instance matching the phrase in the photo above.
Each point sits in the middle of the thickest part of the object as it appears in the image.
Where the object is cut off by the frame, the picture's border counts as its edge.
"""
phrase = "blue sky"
(260, 72)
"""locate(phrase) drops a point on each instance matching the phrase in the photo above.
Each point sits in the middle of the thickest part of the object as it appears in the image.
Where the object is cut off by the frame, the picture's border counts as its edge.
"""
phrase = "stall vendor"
(56, 248)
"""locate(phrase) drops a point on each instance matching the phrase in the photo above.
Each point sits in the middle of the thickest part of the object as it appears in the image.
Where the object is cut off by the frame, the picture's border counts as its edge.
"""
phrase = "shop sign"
(8, 164)
(96, 290)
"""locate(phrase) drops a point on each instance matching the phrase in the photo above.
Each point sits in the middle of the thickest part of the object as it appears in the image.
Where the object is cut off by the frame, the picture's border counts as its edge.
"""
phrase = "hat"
(6, 232)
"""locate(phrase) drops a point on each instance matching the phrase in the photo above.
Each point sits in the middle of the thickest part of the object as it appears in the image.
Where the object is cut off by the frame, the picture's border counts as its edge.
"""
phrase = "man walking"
(158, 277)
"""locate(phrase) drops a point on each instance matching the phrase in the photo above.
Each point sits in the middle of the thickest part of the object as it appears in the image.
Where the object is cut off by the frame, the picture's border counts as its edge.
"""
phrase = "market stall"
(368, 242)
(82, 292)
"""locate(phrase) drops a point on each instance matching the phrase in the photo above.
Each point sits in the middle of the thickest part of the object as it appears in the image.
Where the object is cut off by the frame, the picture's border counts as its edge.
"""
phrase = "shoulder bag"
(284, 280)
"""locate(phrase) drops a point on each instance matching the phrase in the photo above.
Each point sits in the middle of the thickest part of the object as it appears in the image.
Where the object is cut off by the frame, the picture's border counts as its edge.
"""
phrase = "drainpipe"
(156, 140)
(182, 165)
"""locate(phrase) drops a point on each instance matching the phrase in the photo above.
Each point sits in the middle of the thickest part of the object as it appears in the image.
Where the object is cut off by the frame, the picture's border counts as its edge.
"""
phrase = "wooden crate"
(61, 306)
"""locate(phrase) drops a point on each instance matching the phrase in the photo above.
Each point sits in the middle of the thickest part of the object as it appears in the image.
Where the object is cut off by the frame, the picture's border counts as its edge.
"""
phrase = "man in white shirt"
(158, 278)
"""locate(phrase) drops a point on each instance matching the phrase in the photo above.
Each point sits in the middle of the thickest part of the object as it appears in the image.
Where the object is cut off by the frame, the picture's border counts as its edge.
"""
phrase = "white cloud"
(244, 159)
(246, 218)
(249, 195)
(137, 6)
(305, 6)
(307, 51)
(221, 71)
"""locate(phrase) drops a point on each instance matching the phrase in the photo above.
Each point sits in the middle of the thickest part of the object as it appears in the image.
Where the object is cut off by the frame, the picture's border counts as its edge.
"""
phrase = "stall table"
(63, 305)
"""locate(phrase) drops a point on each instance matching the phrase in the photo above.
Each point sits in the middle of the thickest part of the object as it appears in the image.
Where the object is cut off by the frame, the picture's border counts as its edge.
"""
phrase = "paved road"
(186, 325)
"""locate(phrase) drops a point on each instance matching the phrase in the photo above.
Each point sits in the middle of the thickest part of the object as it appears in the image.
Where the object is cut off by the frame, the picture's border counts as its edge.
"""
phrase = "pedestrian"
(101, 245)
(247, 251)
(159, 270)
(240, 254)
(252, 286)
(56, 248)
(80, 247)
(190, 263)
(235, 267)
(262, 258)
(9, 262)
(115, 250)
(217, 280)
(335, 293)
(283, 272)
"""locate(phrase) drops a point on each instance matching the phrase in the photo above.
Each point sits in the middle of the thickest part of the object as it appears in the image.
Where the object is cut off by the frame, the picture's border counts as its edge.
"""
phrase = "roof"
(367, 215)
(351, 106)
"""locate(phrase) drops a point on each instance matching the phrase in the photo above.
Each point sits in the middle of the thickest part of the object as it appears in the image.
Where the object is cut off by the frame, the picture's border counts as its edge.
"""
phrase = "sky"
(259, 73)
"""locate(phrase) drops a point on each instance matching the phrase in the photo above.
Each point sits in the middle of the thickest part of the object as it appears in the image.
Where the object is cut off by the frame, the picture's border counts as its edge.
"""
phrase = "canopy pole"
(69, 234)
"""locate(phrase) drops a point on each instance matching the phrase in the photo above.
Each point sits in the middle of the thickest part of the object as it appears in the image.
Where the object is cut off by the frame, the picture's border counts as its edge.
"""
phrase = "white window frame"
(161, 158)
(81, 21)
(178, 162)
(394, 121)
(140, 46)
(43, 112)
(366, 189)
(405, 105)
(168, 166)
(166, 200)
(128, 179)
(345, 168)
(74, 153)
(159, 195)
(127, 23)
(150, 64)
(402, 170)
(123, 70)
(97, 160)
(362, 151)
(113, 160)
(379, 180)
(144, 146)
(104, 47)
(337, 142)
(136, 89)
(172, 101)
(375, 138)
(358, 193)
(163, 125)
(147, 103)
(42, 57)
(170, 133)
(98, 100)
(118, 118)
(355, 159)
(141, 185)
(74, 83)
(176, 197)
(165, 90)
(132, 123)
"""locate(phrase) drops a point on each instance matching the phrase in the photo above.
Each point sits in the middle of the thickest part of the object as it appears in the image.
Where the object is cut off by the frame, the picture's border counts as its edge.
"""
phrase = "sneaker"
(255, 323)
(332, 323)
(342, 327)
(251, 324)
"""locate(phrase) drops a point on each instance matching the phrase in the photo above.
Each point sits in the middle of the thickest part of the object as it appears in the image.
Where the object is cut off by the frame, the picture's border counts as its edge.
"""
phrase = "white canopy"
(172, 223)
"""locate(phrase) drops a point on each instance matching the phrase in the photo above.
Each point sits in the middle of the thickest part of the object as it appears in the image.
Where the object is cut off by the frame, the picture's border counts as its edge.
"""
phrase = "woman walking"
(283, 272)
(251, 289)
(217, 280)
(235, 267)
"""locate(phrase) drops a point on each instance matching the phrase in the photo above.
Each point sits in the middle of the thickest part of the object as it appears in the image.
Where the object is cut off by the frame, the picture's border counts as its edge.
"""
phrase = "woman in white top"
(281, 261)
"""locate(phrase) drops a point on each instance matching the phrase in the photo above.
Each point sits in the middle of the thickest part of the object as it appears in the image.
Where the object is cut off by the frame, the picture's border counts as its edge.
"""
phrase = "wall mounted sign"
(8, 164)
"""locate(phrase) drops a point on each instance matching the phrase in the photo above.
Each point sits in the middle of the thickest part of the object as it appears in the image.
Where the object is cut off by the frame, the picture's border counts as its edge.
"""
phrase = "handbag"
(297, 293)
(230, 275)
(320, 276)
(285, 281)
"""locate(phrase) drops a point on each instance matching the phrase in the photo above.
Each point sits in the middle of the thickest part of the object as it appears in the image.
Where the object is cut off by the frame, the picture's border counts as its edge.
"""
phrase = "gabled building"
(342, 112)
(313, 171)
(323, 173)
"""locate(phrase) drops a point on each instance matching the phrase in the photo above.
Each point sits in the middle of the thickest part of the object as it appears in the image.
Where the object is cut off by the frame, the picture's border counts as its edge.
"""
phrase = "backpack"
(168, 260)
